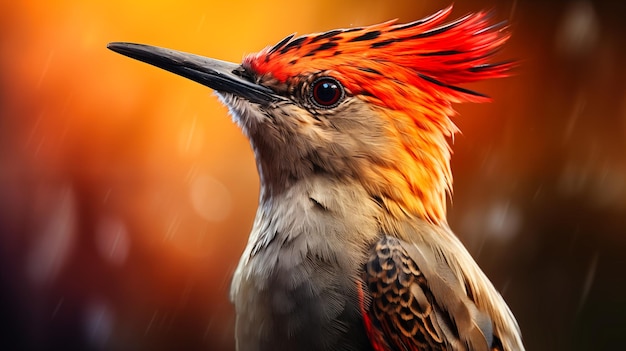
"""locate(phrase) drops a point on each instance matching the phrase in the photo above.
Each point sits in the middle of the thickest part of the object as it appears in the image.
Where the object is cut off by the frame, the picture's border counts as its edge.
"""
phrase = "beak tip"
(115, 47)
(120, 47)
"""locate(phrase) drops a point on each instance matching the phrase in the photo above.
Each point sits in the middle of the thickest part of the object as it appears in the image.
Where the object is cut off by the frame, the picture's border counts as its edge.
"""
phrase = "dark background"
(126, 194)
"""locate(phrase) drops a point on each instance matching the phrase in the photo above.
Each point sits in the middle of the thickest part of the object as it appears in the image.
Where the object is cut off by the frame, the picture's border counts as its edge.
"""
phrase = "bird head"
(370, 104)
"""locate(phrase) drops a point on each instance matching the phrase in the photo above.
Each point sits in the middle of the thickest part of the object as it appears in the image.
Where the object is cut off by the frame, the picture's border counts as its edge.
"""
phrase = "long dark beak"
(215, 74)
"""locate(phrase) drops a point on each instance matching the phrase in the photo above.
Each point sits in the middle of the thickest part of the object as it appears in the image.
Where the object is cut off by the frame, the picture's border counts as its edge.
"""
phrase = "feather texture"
(410, 74)
(350, 249)
(425, 54)
(420, 305)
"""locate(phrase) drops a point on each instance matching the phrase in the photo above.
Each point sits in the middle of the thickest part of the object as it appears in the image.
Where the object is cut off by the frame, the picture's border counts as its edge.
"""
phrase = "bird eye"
(326, 92)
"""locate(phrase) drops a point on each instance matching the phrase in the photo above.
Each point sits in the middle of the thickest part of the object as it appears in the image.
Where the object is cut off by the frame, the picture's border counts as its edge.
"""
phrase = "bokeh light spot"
(503, 220)
(210, 198)
(579, 29)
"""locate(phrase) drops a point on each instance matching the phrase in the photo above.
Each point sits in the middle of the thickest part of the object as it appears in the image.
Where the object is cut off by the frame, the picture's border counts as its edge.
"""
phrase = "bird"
(350, 248)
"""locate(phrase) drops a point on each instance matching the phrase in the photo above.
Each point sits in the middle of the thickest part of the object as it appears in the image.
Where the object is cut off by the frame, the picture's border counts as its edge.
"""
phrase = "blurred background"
(127, 194)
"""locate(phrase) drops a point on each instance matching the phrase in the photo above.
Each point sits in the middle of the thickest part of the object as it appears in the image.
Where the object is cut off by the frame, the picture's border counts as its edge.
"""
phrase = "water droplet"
(57, 307)
(589, 278)
(151, 323)
(191, 138)
(579, 105)
(44, 71)
(98, 323)
(55, 238)
(201, 22)
(172, 227)
(609, 186)
(112, 240)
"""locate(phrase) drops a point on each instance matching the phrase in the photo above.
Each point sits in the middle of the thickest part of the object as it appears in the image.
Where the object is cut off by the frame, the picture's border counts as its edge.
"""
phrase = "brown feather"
(418, 301)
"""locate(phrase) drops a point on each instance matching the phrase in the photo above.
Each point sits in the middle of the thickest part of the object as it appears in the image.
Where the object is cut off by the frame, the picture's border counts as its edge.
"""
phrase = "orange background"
(127, 194)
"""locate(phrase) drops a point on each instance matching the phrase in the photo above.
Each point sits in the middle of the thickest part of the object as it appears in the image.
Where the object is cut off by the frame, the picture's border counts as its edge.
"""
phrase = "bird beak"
(215, 74)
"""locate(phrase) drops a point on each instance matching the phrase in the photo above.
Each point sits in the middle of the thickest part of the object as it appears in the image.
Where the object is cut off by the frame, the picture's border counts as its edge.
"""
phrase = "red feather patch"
(426, 54)
(410, 74)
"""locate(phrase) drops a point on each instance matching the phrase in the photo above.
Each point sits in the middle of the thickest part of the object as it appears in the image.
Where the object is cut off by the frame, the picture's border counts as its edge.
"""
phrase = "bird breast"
(299, 272)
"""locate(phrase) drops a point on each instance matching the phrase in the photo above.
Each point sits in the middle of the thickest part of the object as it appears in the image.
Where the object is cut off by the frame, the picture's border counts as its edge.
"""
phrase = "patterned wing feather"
(416, 303)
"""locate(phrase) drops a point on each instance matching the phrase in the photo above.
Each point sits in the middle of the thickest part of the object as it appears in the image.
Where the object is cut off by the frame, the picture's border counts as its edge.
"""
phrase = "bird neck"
(416, 177)
(401, 157)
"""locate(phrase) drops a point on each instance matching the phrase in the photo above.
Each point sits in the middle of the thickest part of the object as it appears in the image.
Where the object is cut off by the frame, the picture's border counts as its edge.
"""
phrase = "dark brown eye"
(326, 92)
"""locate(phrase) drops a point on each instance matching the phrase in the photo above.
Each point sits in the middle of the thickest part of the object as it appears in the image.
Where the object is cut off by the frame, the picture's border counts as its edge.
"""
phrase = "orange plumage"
(409, 73)
(350, 248)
